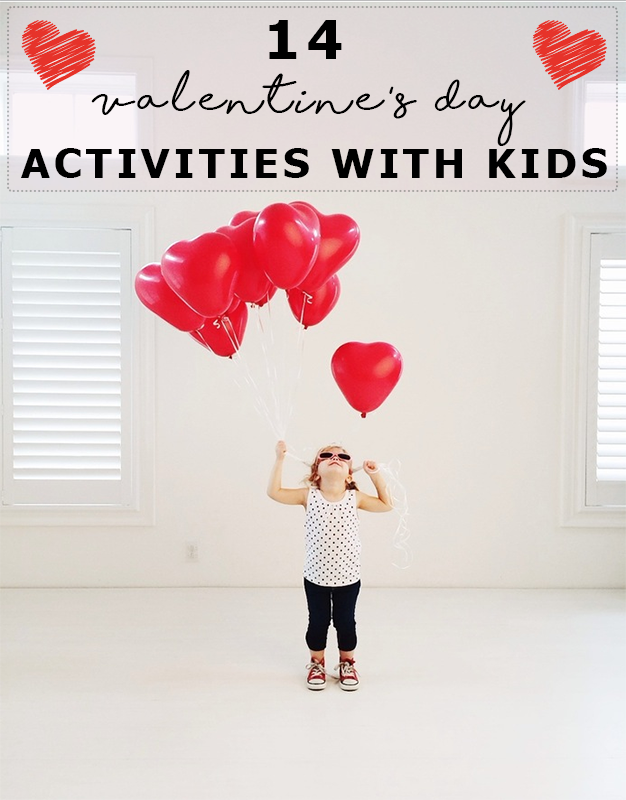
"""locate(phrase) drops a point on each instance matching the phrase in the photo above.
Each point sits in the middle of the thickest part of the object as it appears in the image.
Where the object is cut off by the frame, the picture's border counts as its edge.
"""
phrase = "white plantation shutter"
(67, 366)
(606, 407)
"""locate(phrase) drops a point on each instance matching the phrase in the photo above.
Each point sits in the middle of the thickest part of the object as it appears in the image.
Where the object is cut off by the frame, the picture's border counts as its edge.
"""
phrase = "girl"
(333, 549)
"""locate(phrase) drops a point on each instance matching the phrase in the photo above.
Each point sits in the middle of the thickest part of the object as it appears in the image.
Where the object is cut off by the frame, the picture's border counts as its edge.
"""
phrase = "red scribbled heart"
(56, 56)
(567, 56)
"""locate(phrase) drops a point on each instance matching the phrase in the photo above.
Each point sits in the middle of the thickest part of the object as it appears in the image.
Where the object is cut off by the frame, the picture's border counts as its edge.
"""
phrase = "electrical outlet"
(191, 551)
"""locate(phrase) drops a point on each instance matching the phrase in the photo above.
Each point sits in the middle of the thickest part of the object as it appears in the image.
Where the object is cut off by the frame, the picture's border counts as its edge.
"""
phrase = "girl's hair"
(313, 478)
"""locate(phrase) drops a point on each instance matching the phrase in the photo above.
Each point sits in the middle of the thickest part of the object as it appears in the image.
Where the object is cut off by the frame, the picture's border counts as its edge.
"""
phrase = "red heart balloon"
(202, 272)
(252, 284)
(242, 216)
(156, 295)
(272, 291)
(339, 239)
(310, 309)
(366, 373)
(223, 335)
(286, 241)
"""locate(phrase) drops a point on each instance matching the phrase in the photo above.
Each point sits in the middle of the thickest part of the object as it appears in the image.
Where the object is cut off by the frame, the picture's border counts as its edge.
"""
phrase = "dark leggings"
(331, 602)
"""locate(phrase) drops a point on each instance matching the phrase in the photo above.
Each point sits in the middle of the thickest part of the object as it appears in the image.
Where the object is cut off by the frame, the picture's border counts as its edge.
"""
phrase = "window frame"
(140, 221)
(579, 378)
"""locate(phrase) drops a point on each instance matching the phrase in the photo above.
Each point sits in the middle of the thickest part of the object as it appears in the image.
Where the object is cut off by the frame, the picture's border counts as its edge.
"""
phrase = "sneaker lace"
(347, 670)
(316, 670)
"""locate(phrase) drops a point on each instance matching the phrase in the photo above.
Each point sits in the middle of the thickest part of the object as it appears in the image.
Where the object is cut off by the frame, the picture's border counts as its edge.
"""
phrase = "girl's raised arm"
(290, 497)
(383, 501)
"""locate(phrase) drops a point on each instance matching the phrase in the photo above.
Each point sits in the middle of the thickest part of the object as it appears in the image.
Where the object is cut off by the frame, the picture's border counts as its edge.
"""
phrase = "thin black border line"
(203, 6)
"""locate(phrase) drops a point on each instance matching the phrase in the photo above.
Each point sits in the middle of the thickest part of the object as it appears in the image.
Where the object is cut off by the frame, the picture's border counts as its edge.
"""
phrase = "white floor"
(198, 694)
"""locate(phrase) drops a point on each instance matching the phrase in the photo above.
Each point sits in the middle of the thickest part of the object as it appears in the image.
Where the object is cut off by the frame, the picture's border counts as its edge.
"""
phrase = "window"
(606, 403)
(71, 373)
(594, 436)
(71, 118)
(600, 118)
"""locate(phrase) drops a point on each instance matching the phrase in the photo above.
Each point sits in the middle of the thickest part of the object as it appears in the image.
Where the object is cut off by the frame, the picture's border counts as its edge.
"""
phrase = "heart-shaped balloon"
(339, 239)
(366, 373)
(242, 216)
(286, 241)
(223, 335)
(310, 309)
(252, 284)
(156, 295)
(271, 292)
(202, 272)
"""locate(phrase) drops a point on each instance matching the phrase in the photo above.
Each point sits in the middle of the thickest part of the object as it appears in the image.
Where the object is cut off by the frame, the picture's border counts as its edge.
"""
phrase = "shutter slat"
(83, 424)
(60, 474)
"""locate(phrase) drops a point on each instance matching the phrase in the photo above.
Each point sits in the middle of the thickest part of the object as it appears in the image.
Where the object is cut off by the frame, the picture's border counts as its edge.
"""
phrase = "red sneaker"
(348, 676)
(316, 679)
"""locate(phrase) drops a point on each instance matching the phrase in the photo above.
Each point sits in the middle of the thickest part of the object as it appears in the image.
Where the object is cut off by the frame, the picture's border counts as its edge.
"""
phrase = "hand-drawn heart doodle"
(56, 56)
(567, 56)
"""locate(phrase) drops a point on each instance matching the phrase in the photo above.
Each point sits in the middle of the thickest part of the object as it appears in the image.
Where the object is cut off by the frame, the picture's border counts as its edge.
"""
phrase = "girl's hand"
(370, 467)
(281, 450)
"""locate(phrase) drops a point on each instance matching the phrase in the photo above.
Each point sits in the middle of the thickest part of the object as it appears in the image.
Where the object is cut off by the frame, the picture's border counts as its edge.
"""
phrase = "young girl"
(333, 549)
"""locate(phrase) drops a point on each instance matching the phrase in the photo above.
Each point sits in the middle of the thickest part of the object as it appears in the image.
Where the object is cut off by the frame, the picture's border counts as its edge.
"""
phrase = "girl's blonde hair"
(313, 478)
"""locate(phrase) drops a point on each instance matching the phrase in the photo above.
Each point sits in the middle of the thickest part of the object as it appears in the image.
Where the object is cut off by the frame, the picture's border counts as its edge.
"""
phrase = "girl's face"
(333, 464)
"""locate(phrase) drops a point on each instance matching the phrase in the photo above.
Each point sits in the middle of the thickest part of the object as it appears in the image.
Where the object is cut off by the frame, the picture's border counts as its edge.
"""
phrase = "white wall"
(470, 288)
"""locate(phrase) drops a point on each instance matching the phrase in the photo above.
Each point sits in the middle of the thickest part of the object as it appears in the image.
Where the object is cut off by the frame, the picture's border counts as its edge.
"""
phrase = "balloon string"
(297, 370)
(273, 379)
(267, 340)
(247, 378)
(397, 491)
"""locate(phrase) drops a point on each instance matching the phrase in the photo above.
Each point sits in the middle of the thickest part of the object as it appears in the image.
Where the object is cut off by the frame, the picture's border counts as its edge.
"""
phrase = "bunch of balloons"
(205, 286)
(202, 286)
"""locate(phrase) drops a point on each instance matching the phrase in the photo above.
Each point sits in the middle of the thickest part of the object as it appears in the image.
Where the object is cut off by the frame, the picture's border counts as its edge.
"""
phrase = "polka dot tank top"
(332, 543)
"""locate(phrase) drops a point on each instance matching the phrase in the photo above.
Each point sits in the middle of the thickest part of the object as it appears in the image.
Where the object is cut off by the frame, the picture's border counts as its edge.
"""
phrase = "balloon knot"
(363, 414)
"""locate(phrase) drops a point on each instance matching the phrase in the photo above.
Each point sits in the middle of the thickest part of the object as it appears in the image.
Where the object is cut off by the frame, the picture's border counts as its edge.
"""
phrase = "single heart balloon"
(366, 373)
(202, 272)
(155, 294)
(339, 239)
(311, 309)
(286, 241)
(224, 335)
(252, 284)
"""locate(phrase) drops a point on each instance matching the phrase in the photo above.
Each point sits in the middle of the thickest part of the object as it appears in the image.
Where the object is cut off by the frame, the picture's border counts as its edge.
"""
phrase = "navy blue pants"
(336, 603)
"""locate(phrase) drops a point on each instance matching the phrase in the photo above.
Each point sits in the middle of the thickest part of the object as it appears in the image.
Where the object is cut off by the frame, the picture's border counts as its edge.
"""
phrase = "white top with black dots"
(332, 543)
